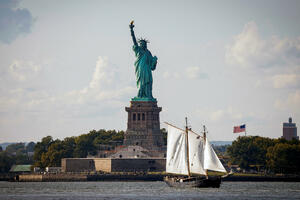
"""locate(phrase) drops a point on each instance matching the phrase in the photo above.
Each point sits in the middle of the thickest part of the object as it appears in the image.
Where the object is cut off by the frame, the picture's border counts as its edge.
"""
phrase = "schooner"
(189, 153)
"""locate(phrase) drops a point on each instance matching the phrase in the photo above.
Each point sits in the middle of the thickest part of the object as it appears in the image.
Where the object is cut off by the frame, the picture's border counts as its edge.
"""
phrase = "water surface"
(145, 190)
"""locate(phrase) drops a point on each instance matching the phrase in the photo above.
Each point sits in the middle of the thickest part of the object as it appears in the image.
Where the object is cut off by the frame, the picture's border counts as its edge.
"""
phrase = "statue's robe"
(144, 64)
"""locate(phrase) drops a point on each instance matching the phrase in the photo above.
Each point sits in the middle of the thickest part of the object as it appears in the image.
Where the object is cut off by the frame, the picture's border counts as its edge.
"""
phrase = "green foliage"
(40, 150)
(49, 152)
(14, 154)
(6, 162)
(118, 136)
(30, 147)
(22, 159)
(85, 145)
(249, 150)
(14, 148)
(221, 150)
(284, 158)
(274, 154)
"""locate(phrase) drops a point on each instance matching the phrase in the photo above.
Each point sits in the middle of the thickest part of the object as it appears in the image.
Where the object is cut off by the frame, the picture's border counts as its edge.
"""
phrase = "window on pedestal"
(143, 116)
(134, 116)
(139, 116)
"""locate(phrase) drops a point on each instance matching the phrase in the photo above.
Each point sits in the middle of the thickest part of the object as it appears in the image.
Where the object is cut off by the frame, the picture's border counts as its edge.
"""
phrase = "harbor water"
(146, 190)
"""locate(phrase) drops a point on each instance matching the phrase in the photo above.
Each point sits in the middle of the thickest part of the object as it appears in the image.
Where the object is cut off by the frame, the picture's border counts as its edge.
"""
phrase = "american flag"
(238, 129)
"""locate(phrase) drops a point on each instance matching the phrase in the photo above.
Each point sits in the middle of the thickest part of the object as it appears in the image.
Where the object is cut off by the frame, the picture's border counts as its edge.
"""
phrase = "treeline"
(17, 153)
(275, 155)
(49, 152)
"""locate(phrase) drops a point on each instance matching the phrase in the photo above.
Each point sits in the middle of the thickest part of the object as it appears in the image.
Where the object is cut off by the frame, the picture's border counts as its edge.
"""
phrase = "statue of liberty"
(144, 64)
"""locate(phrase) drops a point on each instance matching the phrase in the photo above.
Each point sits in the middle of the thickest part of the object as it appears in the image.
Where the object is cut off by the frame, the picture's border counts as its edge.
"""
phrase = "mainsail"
(176, 152)
(196, 153)
(202, 157)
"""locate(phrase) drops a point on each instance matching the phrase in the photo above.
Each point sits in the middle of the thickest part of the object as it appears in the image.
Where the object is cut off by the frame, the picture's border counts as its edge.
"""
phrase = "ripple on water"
(146, 190)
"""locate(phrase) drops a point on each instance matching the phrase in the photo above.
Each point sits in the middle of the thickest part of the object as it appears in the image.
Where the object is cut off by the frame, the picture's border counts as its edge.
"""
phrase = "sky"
(67, 67)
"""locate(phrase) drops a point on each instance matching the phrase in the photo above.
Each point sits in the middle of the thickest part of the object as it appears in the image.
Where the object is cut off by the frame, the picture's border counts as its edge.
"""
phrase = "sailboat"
(190, 154)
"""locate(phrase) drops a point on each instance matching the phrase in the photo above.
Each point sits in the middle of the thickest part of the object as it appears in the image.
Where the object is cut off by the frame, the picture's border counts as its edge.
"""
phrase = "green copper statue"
(144, 64)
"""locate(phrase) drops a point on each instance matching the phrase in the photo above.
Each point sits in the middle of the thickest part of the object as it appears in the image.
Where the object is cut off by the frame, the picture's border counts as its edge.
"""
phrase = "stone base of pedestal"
(143, 125)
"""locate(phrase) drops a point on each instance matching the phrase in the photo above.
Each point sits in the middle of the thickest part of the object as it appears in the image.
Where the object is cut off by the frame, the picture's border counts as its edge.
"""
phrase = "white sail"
(211, 160)
(176, 152)
(196, 153)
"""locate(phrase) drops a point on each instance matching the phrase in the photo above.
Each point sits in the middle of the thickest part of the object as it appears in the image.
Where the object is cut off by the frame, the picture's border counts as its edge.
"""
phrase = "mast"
(187, 145)
(204, 140)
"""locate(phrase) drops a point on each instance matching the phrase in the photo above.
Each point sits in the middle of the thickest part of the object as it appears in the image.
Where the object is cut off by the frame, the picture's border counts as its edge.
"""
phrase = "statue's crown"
(143, 40)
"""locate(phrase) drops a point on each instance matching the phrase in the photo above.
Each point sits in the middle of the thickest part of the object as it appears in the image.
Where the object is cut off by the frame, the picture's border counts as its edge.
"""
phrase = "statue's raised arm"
(132, 33)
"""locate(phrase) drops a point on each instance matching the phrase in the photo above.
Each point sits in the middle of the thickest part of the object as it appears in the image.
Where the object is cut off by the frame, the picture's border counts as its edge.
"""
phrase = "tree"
(16, 147)
(21, 159)
(6, 162)
(69, 145)
(52, 158)
(118, 136)
(221, 150)
(284, 158)
(49, 152)
(39, 150)
(30, 147)
(84, 145)
(249, 150)
(58, 150)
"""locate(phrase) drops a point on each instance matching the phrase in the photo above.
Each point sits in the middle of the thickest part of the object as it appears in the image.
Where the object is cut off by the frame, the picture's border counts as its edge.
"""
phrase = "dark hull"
(213, 182)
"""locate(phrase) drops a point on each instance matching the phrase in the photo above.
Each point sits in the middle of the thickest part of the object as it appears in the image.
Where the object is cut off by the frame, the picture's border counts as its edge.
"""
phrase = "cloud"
(221, 114)
(13, 21)
(171, 75)
(249, 50)
(195, 73)
(285, 80)
(190, 72)
(102, 74)
(217, 115)
(291, 102)
(105, 91)
(105, 85)
(23, 70)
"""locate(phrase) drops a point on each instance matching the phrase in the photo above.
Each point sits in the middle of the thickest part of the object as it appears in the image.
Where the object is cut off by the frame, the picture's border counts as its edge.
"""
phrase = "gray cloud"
(13, 21)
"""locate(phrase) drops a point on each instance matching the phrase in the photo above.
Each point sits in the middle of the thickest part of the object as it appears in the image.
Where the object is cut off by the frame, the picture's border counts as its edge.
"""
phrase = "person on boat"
(144, 64)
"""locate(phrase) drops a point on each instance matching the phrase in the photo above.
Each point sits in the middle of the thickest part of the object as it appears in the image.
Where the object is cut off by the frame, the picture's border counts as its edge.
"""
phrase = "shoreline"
(64, 177)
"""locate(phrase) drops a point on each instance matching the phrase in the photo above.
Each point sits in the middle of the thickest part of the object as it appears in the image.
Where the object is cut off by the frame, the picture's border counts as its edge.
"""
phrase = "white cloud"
(171, 75)
(195, 73)
(102, 74)
(104, 90)
(221, 114)
(285, 80)
(105, 85)
(23, 70)
(291, 103)
(216, 115)
(190, 72)
(249, 50)
(271, 62)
